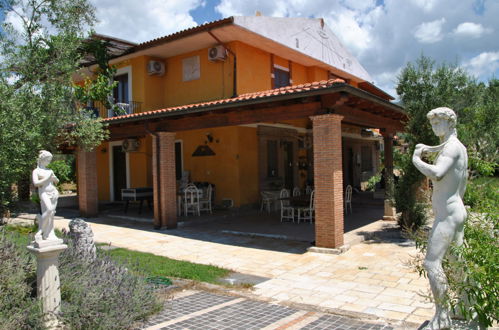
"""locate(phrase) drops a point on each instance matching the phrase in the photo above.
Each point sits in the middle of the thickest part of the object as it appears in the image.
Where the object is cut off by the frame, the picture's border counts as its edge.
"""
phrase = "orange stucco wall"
(253, 69)
(224, 168)
(234, 168)
(103, 171)
(299, 74)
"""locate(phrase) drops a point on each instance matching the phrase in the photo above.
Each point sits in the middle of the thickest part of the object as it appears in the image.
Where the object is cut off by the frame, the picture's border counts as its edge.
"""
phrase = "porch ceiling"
(332, 96)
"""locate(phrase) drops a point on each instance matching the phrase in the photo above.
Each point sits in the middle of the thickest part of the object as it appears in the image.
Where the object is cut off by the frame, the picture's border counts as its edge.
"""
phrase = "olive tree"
(41, 45)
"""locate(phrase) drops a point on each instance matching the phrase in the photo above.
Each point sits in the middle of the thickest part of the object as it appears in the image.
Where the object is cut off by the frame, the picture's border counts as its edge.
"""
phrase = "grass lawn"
(153, 265)
(147, 264)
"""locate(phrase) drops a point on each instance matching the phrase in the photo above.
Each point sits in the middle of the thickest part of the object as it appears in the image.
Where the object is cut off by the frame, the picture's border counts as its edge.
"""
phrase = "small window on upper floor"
(281, 78)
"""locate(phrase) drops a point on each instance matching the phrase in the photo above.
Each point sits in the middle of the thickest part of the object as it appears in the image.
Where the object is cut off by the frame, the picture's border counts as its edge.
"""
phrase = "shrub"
(474, 274)
(19, 309)
(96, 294)
(371, 183)
(413, 213)
(473, 268)
(482, 194)
(63, 170)
(101, 294)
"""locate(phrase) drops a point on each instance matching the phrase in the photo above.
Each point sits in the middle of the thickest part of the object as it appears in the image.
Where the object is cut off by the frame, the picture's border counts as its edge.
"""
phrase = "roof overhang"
(226, 30)
(355, 105)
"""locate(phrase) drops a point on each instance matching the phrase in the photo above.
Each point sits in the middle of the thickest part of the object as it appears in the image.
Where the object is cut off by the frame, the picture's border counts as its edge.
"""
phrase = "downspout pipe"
(234, 83)
(158, 179)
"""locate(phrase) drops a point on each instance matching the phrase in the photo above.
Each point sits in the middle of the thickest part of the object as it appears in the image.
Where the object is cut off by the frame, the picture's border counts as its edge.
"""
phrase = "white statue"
(448, 174)
(44, 179)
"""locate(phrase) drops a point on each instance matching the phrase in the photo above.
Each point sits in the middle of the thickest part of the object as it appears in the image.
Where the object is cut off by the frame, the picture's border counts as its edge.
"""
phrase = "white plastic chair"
(308, 190)
(296, 191)
(191, 200)
(348, 198)
(205, 202)
(267, 200)
(287, 211)
(307, 213)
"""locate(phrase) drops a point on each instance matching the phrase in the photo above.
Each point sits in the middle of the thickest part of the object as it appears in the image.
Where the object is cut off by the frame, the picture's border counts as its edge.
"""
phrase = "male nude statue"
(449, 175)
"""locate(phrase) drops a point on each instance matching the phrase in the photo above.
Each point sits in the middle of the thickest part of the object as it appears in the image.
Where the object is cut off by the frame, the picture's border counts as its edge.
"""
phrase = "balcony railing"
(99, 110)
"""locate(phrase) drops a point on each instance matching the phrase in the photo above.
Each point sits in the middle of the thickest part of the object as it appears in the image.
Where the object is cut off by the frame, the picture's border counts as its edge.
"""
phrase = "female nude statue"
(449, 175)
(44, 179)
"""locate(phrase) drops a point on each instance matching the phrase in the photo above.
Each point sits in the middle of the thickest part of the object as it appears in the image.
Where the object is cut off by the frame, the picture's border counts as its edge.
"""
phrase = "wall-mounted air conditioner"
(217, 53)
(155, 68)
(130, 145)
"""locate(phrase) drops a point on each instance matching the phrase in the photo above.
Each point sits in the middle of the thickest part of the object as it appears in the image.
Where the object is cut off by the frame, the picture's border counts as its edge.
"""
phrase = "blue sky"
(382, 34)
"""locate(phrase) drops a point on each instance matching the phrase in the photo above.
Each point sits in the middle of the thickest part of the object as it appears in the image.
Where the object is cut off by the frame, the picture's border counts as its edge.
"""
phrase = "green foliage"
(481, 167)
(39, 101)
(18, 308)
(63, 170)
(98, 294)
(478, 127)
(472, 269)
(371, 183)
(423, 86)
(153, 265)
(474, 273)
(101, 294)
(482, 194)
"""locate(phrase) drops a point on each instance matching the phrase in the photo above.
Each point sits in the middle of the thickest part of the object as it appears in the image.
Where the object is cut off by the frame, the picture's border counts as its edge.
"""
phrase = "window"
(120, 92)
(272, 158)
(367, 159)
(281, 78)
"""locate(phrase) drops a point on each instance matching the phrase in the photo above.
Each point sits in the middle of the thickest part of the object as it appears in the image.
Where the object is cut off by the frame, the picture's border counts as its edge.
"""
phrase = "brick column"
(390, 213)
(87, 183)
(328, 181)
(164, 180)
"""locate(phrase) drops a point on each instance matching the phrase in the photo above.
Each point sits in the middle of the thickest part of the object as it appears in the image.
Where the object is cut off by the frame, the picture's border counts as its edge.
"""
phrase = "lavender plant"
(18, 307)
(100, 294)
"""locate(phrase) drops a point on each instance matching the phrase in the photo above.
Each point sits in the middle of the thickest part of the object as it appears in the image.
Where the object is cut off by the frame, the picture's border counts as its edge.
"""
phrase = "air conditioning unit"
(217, 53)
(130, 145)
(155, 68)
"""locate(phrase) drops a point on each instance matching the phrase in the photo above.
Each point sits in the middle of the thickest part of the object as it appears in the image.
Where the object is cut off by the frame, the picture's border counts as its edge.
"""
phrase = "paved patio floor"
(371, 278)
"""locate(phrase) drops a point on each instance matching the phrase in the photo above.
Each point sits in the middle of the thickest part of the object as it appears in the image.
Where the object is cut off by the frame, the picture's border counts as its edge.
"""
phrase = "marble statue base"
(390, 212)
(47, 277)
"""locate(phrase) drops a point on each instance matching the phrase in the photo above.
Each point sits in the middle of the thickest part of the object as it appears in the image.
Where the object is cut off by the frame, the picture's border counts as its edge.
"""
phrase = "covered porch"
(324, 108)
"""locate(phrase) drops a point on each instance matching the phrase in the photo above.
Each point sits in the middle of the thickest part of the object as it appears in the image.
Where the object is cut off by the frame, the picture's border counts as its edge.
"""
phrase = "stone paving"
(371, 278)
(203, 310)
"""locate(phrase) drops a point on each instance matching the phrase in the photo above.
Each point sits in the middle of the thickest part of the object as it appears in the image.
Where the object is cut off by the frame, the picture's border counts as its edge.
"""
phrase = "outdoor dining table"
(298, 201)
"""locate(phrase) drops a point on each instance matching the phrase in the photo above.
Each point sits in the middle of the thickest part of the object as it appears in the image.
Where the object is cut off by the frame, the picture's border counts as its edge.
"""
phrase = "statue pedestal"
(47, 276)
(390, 212)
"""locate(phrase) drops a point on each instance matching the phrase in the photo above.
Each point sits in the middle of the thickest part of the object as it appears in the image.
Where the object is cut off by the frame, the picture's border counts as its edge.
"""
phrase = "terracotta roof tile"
(254, 95)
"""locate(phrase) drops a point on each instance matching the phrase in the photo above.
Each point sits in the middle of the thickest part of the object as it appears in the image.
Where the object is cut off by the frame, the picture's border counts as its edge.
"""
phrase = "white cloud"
(430, 32)
(381, 34)
(426, 5)
(484, 64)
(469, 29)
(143, 20)
(361, 5)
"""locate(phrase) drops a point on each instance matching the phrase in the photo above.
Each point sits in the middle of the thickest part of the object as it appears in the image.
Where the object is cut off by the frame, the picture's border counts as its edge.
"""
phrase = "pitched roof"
(244, 99)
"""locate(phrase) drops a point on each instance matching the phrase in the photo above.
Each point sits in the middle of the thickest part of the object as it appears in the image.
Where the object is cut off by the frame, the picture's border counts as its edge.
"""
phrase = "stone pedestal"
(47, 276)
(390, 211)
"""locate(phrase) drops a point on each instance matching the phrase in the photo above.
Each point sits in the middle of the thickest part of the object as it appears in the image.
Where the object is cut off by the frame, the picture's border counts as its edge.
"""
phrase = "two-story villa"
(247, 104)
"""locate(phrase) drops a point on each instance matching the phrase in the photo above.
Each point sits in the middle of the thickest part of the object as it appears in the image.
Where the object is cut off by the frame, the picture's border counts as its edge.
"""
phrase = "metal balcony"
(120, 108)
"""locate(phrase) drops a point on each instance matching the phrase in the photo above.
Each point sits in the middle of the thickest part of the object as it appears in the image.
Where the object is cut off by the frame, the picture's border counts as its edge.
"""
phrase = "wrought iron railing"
(120, 108)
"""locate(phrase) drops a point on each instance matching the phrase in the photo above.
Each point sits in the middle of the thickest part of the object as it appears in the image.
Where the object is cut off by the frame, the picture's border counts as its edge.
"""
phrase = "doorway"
(119, 170)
